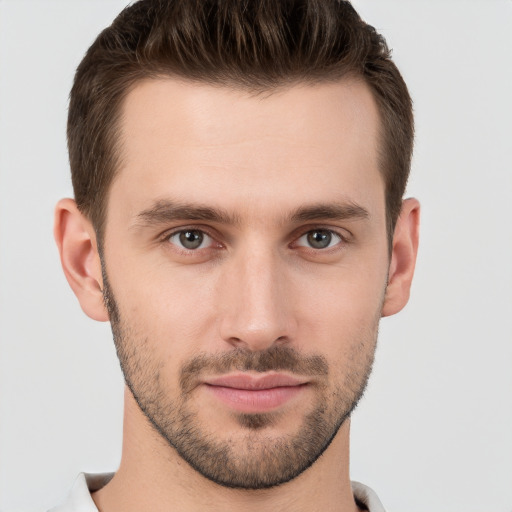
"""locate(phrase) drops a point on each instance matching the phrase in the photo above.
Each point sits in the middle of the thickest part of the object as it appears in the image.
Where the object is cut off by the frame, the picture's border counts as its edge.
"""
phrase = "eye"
(319, 239)
(190, 239)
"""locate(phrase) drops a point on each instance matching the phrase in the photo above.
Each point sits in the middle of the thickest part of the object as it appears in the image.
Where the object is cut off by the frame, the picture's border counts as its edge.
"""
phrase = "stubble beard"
(255, 459)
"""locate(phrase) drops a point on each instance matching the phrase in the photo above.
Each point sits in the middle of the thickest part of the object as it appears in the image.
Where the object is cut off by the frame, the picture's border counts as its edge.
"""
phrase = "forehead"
(303, 143)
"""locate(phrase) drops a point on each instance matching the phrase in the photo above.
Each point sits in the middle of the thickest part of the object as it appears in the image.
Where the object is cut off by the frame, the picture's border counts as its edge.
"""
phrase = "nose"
(255, 301)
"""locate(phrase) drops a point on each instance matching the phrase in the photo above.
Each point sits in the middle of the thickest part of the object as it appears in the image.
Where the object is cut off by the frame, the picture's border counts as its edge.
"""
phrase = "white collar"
(79, 499)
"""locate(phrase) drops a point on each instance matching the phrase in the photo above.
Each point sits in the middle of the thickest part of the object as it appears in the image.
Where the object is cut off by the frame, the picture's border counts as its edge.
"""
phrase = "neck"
(152, 476)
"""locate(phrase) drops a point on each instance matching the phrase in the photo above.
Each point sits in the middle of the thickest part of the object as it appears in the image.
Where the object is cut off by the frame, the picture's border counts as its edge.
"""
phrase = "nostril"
(256, 342)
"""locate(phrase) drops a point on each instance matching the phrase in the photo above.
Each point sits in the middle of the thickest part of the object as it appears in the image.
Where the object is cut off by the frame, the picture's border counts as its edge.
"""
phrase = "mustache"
(272, 359)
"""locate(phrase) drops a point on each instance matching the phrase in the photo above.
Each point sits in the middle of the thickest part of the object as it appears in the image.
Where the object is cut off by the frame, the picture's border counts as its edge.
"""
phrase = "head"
(239, 170)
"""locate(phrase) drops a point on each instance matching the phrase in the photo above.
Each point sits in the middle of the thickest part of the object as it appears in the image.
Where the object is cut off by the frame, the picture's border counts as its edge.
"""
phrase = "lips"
(255, 394)
(252, 382)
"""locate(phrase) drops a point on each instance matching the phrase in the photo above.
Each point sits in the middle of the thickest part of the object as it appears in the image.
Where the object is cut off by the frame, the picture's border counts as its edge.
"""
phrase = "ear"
(403, 257)
(76, 240)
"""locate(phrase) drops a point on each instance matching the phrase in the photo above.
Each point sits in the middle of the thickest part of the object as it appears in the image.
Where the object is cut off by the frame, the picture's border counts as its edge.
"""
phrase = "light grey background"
(434, 431)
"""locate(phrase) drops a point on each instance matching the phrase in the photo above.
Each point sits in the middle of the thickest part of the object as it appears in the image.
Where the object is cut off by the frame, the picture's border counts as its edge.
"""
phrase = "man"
(238, 169)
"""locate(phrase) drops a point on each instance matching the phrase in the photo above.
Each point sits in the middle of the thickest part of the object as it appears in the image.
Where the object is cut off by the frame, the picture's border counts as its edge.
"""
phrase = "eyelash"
(166, 238)
(343, 239)
(331, 234)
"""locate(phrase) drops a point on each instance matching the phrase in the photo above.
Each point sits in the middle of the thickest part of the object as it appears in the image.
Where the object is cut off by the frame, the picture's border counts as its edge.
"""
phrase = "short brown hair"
(253, 44)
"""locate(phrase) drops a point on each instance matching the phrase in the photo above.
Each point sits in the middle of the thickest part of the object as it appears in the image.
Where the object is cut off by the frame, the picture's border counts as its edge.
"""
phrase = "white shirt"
(79, 499)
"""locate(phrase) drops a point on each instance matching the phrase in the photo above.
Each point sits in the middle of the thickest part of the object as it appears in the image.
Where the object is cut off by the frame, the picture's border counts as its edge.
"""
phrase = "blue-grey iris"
(319, 239)
(191, 239)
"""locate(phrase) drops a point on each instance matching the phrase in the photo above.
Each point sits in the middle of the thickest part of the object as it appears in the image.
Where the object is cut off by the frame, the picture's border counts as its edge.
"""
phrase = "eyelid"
(206, 240)
(345, 235)
(336, 241)
(336, 238)
(166, 236)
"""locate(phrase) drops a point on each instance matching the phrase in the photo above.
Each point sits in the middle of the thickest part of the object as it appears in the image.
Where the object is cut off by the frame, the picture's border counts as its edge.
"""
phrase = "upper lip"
(246, 381)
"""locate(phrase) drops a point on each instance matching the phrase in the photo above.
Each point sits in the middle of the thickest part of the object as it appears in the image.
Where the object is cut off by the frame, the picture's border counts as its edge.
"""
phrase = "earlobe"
(403, 258)
(76, 241)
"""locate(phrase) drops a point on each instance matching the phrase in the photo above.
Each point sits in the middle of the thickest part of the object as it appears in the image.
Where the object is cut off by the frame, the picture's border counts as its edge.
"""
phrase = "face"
(245, 265)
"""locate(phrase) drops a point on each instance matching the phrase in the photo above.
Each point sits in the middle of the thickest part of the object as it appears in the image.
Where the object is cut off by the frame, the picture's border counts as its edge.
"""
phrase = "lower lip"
(255, 400)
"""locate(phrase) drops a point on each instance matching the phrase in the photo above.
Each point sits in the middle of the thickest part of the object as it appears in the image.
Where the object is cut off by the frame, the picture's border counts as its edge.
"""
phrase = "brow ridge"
(168, 211)
(330, 211)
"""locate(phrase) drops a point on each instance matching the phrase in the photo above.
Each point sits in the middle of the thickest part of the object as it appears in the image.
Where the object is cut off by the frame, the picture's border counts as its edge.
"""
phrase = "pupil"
(191, 239)
(319, 239)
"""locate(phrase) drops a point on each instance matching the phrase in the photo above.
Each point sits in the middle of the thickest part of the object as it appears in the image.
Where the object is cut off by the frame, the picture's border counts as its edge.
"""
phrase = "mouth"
(255, 394)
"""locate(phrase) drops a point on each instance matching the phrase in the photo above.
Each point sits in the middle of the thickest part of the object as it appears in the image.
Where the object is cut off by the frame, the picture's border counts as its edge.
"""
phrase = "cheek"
(345, 332)
(341, 312)
(169, 308)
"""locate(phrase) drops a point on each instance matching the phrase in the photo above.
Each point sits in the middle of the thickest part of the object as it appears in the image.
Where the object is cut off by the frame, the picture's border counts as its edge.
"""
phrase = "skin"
(255, 283)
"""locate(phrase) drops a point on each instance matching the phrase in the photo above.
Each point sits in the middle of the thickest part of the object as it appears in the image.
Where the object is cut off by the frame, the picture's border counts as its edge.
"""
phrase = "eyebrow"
(330, 211)
(164, 211)
(168, 211)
